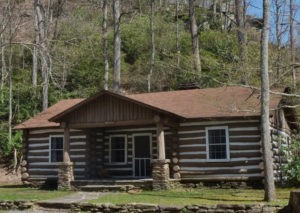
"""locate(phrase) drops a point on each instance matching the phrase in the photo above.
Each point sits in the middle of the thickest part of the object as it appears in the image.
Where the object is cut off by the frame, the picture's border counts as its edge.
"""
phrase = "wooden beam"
(66, 144)
(111, 124)
(161, 141)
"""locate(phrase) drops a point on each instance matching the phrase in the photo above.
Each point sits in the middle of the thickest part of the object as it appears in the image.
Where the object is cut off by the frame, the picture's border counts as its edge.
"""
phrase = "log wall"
(244, 146)
(38, 153)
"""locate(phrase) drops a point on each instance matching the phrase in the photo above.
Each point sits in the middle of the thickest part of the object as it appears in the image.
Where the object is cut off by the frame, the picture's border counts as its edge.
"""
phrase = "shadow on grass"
(12, 186)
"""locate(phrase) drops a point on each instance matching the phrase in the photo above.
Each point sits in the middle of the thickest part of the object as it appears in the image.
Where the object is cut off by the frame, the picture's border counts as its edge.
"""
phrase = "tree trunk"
(3, 66)
(214, 10)
(240, 16)
(104, 41)
(152, 63)
(45, 76)
(35, 52)
(117, 47)
(43, 20)
(10, 70)
(194, 36)
(265, 115)
(177, 35)
(292, 42)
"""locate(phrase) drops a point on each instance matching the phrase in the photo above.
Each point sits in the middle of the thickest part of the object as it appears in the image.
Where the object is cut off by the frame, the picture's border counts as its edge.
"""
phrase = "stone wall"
(16, 205)
(149, 208)
(141, 207)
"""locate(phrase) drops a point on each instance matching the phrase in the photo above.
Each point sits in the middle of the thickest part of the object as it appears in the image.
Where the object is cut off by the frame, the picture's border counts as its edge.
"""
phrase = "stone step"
(106, 188)
(137, 183)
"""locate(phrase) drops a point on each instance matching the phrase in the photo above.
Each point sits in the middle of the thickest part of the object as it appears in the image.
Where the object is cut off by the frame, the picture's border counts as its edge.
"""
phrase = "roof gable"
(108, 107)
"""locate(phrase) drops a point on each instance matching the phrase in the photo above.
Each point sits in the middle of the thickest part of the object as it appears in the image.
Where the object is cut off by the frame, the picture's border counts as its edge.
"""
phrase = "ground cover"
(182, 197)
(19, 192)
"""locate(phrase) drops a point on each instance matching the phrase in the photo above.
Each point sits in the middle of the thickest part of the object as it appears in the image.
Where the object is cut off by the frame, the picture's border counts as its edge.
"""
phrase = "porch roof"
(222, 102)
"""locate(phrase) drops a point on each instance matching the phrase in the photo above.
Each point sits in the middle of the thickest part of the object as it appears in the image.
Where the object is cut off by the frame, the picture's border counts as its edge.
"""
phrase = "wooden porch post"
(66, 144)
(161, 141)
(65, 169)
(160, 167)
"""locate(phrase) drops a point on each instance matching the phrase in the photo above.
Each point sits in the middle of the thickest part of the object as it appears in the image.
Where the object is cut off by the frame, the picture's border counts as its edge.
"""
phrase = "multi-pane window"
(118, 149)
(217, 143)
(56, 148)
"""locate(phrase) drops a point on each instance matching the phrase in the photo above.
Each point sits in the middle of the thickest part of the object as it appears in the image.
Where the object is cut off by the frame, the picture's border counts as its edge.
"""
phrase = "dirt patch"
(8, 178)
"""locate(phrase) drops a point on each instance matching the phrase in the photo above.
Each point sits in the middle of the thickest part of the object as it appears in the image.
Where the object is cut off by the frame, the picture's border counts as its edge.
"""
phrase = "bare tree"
(105, 48)
(152, 63)
(43, 18)
(240, 16)
(10, 83)
(194, 36)
(265, 114)
(117, 47)
(35, 52)
(292, 42)
(2, 46)
(280, 30)
(177, 35)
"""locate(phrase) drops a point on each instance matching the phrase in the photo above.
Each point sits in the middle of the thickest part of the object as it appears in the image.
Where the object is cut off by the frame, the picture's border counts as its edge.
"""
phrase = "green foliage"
(292, 168)
(77, 56)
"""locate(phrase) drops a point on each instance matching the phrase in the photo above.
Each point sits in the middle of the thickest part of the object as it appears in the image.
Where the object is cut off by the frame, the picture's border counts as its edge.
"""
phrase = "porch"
(122, 156)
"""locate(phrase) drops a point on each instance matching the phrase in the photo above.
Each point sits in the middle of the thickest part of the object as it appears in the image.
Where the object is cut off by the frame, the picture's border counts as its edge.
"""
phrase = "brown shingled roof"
(197, 103)
(235, 101)
(41, 120)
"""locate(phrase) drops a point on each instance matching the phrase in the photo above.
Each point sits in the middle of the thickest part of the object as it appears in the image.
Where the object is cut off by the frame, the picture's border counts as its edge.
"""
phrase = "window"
(117, 149)
(56, 148)
(217, 143)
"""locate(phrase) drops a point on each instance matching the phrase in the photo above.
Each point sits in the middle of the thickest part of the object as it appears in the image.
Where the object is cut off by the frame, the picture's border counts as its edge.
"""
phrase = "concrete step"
(106, 188)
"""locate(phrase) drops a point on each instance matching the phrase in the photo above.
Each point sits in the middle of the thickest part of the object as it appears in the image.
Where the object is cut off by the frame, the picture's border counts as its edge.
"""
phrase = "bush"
(292, 168)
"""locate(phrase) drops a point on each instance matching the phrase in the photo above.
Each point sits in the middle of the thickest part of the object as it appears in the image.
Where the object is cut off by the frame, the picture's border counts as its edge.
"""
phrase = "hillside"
(76, 54)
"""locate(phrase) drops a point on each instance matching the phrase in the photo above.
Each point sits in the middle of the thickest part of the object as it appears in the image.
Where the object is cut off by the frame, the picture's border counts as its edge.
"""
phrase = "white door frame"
(133, 149)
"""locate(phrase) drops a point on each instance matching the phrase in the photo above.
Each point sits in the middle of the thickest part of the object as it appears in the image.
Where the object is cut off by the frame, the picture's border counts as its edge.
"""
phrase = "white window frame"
(227, 143)
(133, 148)
(50, 137)
(125, 150)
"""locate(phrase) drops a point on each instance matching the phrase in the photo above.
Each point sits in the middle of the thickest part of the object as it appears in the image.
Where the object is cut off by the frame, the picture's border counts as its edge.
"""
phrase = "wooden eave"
(60, 116)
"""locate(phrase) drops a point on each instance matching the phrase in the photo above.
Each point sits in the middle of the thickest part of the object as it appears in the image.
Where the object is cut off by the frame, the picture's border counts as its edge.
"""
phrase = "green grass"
(19, 192)
(182, 197)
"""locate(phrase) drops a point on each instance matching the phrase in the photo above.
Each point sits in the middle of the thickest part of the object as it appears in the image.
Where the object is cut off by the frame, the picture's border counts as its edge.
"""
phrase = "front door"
(142, 155)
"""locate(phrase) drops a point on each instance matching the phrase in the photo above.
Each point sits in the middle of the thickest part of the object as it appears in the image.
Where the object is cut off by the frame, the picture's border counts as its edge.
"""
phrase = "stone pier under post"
(160, 166)
(65, 169)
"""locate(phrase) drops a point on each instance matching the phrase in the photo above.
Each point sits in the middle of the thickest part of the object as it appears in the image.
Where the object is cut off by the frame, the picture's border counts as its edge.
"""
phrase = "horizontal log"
(221, 164)
(238, 155)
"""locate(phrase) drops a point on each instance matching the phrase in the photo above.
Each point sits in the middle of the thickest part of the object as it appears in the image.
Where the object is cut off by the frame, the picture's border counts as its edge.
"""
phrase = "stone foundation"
(65, 175)
(160, 174)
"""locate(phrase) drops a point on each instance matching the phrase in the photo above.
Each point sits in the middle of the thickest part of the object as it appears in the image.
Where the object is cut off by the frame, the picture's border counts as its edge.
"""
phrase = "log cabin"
(190, 135)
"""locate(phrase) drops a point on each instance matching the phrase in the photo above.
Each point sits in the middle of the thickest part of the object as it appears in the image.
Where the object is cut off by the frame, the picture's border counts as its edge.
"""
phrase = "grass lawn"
(19, 192)
(182, 197)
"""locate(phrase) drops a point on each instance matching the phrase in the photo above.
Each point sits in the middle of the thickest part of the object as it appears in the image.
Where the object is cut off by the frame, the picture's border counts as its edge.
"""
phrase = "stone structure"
(160, 174)
(153, 208)
(65, 175)
(294, 203)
